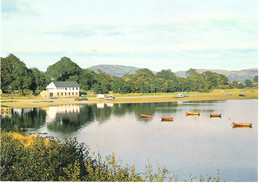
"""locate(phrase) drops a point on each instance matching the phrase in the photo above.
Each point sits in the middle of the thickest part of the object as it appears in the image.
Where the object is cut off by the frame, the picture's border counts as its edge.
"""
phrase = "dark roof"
(66, 84)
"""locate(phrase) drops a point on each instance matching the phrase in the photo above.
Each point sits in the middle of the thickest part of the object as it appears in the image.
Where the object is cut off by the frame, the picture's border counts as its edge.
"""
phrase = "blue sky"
(153, 34)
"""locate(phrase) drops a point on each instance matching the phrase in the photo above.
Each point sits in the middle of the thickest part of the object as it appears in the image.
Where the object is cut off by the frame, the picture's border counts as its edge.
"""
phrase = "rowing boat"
(166, 118)
(241, 124)
(215, 115)
(192, 113)
(145, 116)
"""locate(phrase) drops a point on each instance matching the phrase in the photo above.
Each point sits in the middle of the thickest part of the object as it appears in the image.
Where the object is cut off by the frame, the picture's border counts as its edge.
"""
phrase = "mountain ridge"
(121, 70)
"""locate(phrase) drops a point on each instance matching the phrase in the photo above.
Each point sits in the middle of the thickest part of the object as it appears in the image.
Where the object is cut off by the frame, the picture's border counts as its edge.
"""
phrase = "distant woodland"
(16, 76)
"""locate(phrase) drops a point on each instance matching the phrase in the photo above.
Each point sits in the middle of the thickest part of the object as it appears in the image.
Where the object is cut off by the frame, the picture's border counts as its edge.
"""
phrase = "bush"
(34, 158)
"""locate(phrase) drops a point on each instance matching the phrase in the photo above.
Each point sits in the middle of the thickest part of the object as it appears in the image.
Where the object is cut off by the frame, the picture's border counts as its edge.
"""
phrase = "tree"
(248, 83)
(63, 70)
(166, 74)
(39, 79)
(256, 79)
(117, 85)
(213, 79)
(15, 75)
(241, 86)
(191, 72)
(141, 81)
(103, 82)
(6, 73)
(87, 79)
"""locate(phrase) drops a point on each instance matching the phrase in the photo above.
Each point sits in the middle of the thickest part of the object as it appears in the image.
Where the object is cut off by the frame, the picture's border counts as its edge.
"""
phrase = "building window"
(69, 93)
(61, 93)
(65, 88)
(72, 93)
(58, 93)
(65, 93)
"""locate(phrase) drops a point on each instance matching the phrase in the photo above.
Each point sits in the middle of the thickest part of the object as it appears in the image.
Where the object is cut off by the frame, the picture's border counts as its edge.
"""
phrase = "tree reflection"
(71, 117)
(23, 118)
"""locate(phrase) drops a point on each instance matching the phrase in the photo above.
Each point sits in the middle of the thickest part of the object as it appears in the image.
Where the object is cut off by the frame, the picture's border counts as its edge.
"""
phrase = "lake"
(190, 144)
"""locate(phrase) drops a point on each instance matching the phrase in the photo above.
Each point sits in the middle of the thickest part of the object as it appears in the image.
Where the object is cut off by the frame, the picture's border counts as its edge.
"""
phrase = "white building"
(62, 89)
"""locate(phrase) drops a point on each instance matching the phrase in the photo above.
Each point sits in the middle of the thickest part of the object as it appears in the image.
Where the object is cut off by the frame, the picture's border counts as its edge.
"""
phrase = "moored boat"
(241, 124)
(167, 118)
(192, 113)
(145, 116)
(215, 115)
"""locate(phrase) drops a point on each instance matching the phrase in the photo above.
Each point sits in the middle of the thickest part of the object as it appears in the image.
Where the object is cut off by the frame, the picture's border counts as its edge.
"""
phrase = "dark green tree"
(39, 79)
(63, 70)
(103, 82)
(6, 73)
(87, 79)
(256, 79)
(117, 85)
(248, 83)
(15, 75)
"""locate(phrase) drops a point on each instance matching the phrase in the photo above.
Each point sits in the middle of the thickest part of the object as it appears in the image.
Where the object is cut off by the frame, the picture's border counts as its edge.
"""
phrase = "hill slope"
(115, 70)
(241, 75)
(120, 70)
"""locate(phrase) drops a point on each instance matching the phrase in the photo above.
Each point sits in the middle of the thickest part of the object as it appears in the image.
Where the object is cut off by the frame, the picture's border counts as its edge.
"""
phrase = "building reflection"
(60, 111)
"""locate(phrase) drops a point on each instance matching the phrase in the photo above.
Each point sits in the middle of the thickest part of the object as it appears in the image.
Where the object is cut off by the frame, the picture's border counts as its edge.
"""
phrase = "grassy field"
(218, 94)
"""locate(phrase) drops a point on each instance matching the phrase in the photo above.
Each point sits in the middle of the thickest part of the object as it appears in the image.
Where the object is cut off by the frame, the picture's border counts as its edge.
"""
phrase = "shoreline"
(34, 102)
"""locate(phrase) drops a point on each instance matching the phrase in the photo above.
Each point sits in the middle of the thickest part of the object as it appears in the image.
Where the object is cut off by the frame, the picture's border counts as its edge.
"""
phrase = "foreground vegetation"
(35, 158)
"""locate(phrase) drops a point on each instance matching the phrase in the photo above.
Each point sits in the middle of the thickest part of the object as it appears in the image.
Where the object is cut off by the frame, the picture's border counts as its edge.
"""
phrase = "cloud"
(23, 8)
(82, 29)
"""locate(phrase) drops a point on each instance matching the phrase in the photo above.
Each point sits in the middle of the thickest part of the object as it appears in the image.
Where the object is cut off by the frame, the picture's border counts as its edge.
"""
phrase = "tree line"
(16, 76)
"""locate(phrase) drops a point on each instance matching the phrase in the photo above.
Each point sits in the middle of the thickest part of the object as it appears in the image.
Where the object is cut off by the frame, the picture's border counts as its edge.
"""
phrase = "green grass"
(217, 94)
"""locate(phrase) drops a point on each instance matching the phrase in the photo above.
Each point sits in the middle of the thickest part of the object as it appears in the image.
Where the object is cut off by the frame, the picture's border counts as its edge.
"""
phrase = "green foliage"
(256, 78)
(102, 82)
(15, 75)
(63, 70)
(39, 79)
(248, 83)
(34, 158)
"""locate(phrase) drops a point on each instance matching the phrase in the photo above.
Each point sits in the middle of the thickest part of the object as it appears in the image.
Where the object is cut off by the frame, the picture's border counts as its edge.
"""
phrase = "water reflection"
(69, 118)
(199, 144)
(23, 118)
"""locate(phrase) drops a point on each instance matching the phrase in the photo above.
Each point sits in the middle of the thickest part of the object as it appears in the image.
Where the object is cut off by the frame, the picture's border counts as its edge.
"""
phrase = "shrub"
(35, 158)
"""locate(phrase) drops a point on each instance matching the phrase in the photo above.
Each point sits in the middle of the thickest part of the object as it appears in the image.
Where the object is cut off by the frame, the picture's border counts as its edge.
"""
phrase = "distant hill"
(120, 70)
(115, 70)
(241, 75)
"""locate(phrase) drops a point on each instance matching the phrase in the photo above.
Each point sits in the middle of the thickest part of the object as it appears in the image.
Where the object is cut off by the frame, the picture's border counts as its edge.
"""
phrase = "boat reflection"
(247, 127)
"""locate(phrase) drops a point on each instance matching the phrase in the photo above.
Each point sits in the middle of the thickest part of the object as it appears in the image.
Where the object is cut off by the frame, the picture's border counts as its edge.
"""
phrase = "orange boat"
(167, 118)
(215, 115)
(192, 113)
(241, 124)
(145, 116)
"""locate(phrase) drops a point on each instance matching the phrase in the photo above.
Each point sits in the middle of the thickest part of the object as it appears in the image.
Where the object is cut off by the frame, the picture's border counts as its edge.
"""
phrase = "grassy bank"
(218, 94)
(34, 158)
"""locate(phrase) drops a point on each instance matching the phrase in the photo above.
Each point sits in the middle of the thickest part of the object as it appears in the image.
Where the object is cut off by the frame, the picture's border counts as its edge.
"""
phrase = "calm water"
(200, 145)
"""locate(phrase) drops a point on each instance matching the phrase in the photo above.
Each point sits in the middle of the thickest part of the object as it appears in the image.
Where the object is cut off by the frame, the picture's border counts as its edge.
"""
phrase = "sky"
(153, 34)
